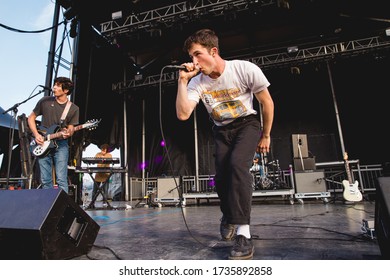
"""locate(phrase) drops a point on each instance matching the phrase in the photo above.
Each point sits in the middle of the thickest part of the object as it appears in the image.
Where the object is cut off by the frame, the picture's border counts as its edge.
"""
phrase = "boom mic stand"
(14, 109)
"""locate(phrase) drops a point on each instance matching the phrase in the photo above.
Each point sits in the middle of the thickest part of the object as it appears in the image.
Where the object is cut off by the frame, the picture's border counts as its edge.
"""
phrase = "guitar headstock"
(345, 156)
(91, 124)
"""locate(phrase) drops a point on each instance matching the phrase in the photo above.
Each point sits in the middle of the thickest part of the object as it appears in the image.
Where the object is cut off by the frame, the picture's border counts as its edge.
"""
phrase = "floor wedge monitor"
(43, 224)
(382, 216)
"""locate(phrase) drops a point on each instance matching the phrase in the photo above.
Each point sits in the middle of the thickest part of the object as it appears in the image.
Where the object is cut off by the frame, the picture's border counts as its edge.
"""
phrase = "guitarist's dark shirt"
(51, 112)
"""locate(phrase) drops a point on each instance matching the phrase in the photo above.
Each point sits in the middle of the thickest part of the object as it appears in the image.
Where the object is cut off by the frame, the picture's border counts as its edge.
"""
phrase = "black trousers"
(104, 188)
(235, 145)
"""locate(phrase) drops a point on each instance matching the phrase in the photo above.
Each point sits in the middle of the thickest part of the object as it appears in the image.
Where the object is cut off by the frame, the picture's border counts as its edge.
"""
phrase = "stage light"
(116, 15)
(283, 4)
(292, 49)
(70, 13)
(295, 70)
(65, 3)
(158, 159)
(138, 76)
(143, 166)
(73, 28)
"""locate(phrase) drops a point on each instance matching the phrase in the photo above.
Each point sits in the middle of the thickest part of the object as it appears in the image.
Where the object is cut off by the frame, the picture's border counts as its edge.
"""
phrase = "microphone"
(45, 88)
(181, 67)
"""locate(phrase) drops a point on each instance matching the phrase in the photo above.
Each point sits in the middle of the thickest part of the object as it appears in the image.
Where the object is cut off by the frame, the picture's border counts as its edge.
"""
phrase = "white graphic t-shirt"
(230, 96)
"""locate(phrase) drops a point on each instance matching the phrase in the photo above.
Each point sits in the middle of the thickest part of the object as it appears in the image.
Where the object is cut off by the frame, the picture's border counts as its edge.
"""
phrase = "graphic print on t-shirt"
(223, 104)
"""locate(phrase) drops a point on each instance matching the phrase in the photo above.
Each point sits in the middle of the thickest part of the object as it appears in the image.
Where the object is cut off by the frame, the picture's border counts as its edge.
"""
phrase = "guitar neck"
(59, 134)
(348, 171)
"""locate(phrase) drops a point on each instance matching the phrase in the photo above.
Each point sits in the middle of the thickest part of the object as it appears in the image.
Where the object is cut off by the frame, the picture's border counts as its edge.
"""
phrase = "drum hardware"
(267, 175)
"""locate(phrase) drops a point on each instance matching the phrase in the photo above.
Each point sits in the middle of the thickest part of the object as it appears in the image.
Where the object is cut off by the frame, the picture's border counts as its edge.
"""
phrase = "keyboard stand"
(99, 190)
(90, 170)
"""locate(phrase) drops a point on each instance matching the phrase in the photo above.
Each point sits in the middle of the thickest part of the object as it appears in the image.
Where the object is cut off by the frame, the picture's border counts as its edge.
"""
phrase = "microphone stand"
(15, 110)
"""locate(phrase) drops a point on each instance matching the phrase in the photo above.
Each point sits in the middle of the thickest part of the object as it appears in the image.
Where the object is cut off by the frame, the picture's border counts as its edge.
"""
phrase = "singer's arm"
(184, 106)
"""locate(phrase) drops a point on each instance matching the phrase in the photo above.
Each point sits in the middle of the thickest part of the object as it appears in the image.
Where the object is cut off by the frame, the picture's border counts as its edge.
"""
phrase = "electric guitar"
(52, 133)
(351, 191)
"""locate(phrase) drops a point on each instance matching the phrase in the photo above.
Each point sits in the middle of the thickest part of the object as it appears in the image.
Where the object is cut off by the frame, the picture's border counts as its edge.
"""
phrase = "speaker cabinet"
(43, 224)
(382, 215)
(299, 144)
(310, 181)
(386, 169)
(166, 190)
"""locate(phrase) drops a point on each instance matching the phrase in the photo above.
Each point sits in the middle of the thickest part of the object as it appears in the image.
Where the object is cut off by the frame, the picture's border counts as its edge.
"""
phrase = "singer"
(58, 114)
(226, 88)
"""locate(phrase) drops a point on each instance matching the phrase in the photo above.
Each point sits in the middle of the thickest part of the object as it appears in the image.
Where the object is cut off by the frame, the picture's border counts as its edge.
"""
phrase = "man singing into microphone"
(58, 115)
(226, 88)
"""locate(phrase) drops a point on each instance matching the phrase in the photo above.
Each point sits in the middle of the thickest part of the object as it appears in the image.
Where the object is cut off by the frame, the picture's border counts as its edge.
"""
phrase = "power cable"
(30, 31)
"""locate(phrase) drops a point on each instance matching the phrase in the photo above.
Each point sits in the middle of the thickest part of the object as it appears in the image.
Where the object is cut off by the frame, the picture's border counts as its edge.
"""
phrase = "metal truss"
(183, 11)
(325, 52)
(349, 48)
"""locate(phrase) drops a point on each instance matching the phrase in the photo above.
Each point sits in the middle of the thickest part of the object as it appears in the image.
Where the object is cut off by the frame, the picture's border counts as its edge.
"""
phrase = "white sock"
(244, 230)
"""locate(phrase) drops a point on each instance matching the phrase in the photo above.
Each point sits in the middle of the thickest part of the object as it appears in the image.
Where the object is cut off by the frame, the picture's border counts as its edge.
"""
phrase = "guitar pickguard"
(41, 150)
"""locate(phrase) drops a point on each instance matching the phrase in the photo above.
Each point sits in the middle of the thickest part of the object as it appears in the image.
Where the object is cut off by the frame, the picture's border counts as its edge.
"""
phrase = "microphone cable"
(179, 189)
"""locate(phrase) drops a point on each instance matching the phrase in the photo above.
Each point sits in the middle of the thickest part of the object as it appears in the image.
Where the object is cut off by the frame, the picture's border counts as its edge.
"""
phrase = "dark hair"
(205, 37)
(104, 146)
(65, 83)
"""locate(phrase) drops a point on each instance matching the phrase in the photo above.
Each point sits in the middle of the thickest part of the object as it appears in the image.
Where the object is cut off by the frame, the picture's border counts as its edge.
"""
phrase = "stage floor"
(314, 230)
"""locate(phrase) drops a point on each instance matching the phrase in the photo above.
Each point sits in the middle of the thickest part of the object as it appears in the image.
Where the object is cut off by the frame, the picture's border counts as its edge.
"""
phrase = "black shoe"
(227, 230)
(243, 249)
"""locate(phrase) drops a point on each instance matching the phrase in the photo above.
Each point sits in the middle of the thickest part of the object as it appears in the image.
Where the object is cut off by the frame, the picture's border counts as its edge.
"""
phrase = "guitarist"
(51, 108)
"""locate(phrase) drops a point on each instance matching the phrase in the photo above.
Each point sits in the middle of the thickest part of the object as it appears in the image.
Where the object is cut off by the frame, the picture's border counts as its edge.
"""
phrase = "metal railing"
(365, 175)
(204, 187)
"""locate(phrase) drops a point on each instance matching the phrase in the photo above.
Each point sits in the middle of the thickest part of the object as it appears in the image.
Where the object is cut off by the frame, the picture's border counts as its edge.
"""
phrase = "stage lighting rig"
(73, 28)
(71, 8)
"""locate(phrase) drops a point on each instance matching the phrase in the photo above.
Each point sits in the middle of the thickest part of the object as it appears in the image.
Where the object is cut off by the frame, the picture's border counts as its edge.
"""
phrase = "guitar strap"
(65, 112)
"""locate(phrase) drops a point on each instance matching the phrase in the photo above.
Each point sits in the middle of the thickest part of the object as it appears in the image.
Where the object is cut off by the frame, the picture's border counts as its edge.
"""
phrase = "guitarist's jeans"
(59, 156)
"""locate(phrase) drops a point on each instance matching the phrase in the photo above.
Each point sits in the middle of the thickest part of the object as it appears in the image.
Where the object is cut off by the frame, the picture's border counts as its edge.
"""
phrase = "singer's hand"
(192, 70)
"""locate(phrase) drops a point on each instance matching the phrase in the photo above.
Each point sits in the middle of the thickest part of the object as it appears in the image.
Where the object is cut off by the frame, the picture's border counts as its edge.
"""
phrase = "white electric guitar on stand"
(351, 191)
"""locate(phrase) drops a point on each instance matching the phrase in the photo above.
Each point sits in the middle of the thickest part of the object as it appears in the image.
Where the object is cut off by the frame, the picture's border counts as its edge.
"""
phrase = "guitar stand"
(331, 180)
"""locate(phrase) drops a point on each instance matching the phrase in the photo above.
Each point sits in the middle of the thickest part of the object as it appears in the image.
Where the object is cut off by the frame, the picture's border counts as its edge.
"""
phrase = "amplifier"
(299, 145)
(167, 190)
(303, 164)
(310, 181)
